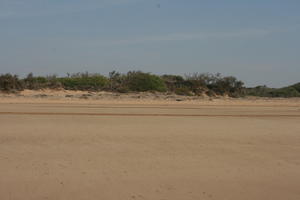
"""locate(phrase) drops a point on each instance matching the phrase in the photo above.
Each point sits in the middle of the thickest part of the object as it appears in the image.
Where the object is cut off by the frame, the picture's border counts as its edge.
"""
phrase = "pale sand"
(75, 149)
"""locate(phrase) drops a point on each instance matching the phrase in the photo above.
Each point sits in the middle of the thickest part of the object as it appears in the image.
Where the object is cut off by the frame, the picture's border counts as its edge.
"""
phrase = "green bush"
(261, 91)
(140, 82)
(296, 87)
(84, 82)
(264, 91)
(285, 92)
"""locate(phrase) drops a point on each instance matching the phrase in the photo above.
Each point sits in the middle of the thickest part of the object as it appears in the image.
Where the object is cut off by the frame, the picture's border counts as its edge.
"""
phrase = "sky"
(256, 41)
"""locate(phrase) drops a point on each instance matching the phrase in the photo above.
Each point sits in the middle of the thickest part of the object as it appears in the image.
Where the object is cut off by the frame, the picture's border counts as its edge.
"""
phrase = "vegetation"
(84, 81)
(264, 91)
(10, 83)
(209, 84)
(136, 81)
(141, 82)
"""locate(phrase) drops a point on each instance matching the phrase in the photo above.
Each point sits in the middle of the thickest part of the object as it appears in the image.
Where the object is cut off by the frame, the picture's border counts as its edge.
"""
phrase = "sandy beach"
(53, 147)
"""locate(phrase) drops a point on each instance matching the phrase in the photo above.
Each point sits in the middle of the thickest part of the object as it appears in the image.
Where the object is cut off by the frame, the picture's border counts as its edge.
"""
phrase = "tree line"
(138, 81)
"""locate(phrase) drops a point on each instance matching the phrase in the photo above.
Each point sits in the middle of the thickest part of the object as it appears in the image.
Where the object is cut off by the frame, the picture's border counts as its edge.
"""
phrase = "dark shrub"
(34, 83)
(285, 92)
(264, 91)
(53, 82)
(296, 86)
(261, 91)
(118, 82)
(10, 83)
(140, 82)
(200, 83)
(228, 85)
(173, 82)
(197, 82)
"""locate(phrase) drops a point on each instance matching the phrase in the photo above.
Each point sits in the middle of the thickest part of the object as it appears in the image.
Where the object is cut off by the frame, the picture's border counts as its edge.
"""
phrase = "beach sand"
(72, 148)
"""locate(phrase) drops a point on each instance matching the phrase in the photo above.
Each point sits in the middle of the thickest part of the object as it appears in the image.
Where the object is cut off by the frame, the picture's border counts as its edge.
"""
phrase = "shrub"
(285, 92)
(199, 83)
(33, 83)
(10, 83)
(140, 82)
(53, 82)
(261, 91)
(228, 85)
(264, 91)
(173, 82)
(117, 82)
(84, 82)
(296, 86)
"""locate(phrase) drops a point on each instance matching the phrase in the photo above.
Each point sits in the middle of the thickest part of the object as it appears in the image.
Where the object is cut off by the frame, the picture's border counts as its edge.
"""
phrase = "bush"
(261, 91)
(264, 91)
(141, 82)
(296, 87)
(285, 92)
(84, 82)
(199, 83)
(34, 83)
(173, 82)
(117, 82)
(10, 83)
(53, 82)
(228, 85)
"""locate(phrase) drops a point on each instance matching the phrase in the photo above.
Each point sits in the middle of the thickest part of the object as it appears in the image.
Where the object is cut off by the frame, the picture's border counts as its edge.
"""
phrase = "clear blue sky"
(254, 40)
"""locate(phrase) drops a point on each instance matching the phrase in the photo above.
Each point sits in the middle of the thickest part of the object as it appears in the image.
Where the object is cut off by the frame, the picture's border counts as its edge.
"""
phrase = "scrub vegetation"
(195, 84)
(264, 91)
